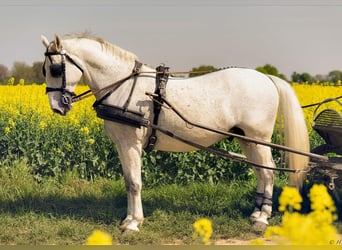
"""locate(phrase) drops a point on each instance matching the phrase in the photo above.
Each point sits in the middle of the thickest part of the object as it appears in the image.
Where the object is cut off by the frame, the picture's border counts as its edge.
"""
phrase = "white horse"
(234, 99)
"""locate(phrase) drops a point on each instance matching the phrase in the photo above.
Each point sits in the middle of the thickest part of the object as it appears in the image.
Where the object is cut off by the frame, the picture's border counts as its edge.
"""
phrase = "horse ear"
(45, 41)
(58, 42)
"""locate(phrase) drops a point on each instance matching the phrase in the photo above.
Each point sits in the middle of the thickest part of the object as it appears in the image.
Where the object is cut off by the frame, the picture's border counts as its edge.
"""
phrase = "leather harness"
(133, 118)
(158, 97)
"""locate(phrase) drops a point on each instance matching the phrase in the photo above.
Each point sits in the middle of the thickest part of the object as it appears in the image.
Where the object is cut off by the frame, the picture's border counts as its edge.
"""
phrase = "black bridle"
(58, 70)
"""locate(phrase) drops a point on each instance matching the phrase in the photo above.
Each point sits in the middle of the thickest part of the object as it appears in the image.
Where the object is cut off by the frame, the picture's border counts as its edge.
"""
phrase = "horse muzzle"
(61, 109)
(60, 103)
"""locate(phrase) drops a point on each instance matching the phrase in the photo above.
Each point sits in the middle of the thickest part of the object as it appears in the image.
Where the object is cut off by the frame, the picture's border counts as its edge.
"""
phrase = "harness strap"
(158, 100)
(114, 86)
(135, 72)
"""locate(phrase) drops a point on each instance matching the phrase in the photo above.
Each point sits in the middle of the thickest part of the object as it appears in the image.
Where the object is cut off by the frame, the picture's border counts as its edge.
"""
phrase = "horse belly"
(170, 144)
(201, 109)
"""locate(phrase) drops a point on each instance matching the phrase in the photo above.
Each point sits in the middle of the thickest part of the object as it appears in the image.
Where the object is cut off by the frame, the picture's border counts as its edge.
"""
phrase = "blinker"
(56, 70)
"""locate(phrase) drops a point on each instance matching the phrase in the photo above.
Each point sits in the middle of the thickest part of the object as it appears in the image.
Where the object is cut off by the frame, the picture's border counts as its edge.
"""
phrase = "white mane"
(114, 49)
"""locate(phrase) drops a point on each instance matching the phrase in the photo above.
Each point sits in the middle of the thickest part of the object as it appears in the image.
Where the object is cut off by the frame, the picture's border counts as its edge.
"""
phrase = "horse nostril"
(59, 112)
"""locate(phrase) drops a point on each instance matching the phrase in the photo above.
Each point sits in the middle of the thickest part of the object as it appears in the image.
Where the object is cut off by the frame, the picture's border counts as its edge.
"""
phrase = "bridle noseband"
(58, 70)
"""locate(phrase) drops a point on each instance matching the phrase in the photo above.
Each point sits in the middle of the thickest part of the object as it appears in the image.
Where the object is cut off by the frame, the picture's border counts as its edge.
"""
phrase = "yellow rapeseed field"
(51, 143)
(308, 94)
(16, 101)
(30, 102)
(20, 100)
(30, 129)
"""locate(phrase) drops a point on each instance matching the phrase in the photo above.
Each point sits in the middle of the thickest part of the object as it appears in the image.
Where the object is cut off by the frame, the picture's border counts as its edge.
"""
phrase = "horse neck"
(102, 67)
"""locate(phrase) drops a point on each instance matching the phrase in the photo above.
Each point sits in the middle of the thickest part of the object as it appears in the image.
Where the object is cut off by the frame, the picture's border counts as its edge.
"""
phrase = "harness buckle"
(137, 68)
(66, 99)
(151, 143)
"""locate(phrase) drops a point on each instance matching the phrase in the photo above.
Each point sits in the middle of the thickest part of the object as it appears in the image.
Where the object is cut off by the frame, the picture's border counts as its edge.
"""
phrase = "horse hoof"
(259, 227)
(255, 215)
(130, 226)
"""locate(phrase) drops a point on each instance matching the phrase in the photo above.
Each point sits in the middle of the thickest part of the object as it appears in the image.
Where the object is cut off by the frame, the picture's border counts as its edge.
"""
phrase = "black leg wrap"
(259, 200)
(267, 200)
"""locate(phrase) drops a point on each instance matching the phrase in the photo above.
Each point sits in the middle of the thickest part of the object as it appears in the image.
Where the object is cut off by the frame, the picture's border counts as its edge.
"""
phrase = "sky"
(292, 35)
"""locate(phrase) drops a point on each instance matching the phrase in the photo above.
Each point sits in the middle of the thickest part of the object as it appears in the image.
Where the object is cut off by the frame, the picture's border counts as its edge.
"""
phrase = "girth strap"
(121, 115)
(158, 97)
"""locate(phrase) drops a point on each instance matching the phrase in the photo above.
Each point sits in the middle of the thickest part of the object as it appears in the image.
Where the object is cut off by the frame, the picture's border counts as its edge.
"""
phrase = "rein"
(134, 73)
(319, 103)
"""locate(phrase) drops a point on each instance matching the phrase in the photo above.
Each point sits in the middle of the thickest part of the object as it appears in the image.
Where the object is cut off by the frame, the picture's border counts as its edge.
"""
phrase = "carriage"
(328, 124)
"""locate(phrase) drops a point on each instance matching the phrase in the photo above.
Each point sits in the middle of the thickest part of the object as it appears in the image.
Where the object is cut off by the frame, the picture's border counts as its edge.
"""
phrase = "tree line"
(21, 71)
(334, 76)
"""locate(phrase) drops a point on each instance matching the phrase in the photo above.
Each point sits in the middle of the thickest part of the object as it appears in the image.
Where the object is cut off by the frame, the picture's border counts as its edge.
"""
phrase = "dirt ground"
(266, 241)
(240, 242)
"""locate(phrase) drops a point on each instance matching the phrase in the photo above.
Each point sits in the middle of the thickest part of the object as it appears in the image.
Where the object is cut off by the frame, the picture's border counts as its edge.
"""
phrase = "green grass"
(67, 210)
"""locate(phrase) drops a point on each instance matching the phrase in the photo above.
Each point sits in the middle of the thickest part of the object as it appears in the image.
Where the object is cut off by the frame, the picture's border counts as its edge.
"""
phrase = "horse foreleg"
(129, 148)
(131, 165)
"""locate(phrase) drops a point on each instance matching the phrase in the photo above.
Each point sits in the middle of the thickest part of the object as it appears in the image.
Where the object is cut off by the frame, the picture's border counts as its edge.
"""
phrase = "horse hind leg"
(263, 204)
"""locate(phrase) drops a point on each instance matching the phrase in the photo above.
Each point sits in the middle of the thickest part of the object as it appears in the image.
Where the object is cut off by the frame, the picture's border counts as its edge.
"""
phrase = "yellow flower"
(316, 228)
(42, 125)
(290, 199)
(91, 141)
(99, 237)
(85, 130)
(59, 151)
(11, 123)
(69, 147)
(320, 199)
(11, 81)
(203, 229)
(323, 217)
(7, 130)
(73, 120)
(257, 242)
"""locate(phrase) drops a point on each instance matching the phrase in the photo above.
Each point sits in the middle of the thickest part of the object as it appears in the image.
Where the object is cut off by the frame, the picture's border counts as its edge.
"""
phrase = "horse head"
(62, 73)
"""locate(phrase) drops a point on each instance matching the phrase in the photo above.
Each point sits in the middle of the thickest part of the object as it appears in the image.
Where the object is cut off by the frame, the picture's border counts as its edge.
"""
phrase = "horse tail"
(295, 130)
